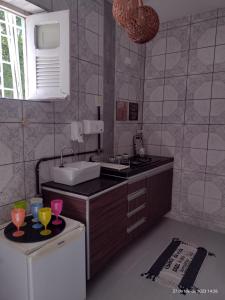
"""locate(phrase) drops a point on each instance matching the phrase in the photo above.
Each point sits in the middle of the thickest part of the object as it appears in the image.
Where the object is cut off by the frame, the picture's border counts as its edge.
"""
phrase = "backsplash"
(184, 113)
(31, 130)
(129, 88)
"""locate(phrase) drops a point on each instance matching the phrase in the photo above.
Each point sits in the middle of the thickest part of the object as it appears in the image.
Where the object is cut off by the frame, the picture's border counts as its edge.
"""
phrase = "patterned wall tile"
(152, 112)
(122, 86)
(214, 208)
(193, 183)
(192, 205)
(135, 89)
(88, 45)
(217, 112)
(179, 22)
(11, 111)
(197, 112)
(178, 39)
(74, 71)
(74, 44)
(175, 152)
(67, 110)
(172, 135)
(63, 138)
(153, 150)
(219, 64)
(123, 60)
(155, 67)
(122, 38)
(45, 176)
(176, 64)
(216, 162)
(137, 65)
(203, 34)
(152, 134)
(199, 17)
(90, 144)
(218, 89)
(177, 180)
(38, 141)
(201, 60)
(173, 112)
(124, 135)
(196, 136)
(220, 38)
(153, 90)
(158, 45)
(87, 107)
(88, 77)
(199, 86)
(66, 4)
(221, 12)
(215, 187)
(194, 159)
(12, 183)
(216, 137)
(175, 88)
(5, 213)
(138, 48)
(38, 112)
(126, 149)
(88, 15)
(11, 143)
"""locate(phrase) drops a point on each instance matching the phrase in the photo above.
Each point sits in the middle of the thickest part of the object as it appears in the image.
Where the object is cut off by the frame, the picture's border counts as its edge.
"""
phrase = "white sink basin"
(77, 172)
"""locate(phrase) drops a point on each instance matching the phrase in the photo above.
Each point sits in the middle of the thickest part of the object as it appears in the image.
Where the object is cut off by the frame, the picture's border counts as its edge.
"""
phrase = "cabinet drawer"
(136, 202)
(135, 186)
(136, 215)
(136, 228)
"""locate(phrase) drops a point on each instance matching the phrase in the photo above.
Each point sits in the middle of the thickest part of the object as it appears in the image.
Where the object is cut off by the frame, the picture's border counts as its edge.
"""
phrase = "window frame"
(20, 13)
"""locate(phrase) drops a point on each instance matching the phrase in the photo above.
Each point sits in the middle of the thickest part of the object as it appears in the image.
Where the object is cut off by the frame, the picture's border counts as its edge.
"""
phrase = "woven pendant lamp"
(140, 21)
(124, 10)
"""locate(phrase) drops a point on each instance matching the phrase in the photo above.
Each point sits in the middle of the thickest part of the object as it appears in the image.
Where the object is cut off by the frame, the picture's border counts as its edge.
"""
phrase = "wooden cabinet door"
(159, 195)
(107, 227)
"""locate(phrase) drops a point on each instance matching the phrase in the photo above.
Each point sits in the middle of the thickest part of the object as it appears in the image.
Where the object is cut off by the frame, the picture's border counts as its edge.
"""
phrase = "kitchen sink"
(77, 172)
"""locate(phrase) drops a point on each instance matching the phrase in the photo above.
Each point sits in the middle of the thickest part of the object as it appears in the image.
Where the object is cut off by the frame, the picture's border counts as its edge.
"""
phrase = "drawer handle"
(136, 210)
(137, 194)
(136, 225)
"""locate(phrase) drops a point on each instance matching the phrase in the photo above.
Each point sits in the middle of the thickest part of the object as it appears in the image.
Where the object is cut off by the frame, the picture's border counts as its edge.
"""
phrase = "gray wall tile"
(203, 34)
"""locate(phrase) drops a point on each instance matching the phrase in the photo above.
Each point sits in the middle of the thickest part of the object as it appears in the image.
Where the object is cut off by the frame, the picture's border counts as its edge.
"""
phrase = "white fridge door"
(57, 271)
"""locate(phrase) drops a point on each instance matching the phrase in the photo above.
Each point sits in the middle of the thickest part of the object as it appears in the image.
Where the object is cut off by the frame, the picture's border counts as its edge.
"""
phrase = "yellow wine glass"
(44, 216)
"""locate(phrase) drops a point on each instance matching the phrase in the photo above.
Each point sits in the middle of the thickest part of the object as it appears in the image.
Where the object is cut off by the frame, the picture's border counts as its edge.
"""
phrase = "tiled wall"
(129, 87)
(46, 126)
(184, 113)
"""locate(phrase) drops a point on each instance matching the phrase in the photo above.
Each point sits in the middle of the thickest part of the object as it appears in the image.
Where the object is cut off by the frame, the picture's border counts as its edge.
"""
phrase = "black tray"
(33, 235)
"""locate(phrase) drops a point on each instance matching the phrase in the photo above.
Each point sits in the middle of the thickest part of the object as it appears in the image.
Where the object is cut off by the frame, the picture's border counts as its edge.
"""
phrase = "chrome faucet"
(61, 155)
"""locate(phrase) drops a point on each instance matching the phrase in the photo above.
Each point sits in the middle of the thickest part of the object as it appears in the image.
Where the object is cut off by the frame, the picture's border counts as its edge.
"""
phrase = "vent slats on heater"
(47, 72)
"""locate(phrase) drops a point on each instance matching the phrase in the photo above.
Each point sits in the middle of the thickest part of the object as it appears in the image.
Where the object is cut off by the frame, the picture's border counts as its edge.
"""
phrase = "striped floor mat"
(178, 266)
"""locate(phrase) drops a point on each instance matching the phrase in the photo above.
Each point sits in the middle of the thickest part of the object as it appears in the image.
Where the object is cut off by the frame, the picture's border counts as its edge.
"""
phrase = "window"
(34, 55)
(12, 55)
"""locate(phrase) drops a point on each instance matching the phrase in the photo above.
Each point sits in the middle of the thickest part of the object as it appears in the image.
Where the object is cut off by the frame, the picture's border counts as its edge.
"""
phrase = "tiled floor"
(121, 279)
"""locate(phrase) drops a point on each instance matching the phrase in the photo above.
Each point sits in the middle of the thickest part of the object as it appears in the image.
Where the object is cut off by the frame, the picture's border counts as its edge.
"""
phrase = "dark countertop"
(157, 161)
(87, 188)
(108, 179)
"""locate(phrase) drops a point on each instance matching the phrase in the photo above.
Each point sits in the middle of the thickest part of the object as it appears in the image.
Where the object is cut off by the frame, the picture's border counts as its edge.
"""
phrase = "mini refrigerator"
(49, 270)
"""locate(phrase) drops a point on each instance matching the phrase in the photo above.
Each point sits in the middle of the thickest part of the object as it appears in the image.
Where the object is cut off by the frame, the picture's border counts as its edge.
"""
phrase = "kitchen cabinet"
(107, 227)
(105, 219)
(119, 215)
(148, 200)
(159, 195)
(136, 209)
